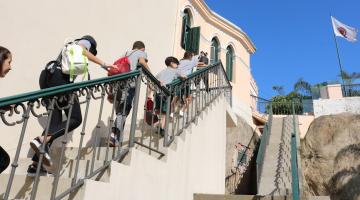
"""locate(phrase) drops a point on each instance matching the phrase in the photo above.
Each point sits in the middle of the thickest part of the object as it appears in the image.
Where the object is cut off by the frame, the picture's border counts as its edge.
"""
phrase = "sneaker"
(31, 171)
(181, 113)
(113, 141)
(36, 146)
(161, 132)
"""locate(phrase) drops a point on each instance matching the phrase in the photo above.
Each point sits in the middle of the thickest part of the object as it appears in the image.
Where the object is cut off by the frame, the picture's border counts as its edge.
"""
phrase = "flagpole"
(339, 60)
(338, 55)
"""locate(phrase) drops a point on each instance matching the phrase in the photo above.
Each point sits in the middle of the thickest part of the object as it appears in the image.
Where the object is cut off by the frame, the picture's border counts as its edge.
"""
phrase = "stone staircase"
(276, 173)
(22, 185)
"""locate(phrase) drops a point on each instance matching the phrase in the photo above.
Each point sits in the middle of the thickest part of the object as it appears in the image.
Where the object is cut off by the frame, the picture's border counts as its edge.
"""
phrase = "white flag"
(345, 31)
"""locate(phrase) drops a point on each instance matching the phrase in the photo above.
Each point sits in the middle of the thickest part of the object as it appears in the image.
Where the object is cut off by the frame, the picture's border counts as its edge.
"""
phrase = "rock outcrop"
(331, 157)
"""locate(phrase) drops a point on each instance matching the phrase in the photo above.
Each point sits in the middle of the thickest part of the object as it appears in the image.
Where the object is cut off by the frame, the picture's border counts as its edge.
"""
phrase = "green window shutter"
(188, 40)
(185, 30)
(229, 64)
(212, 54)
(216, 58)
(195, 40)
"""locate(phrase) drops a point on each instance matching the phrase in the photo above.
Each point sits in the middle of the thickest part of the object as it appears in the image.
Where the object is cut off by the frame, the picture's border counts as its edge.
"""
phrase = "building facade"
(36, 34)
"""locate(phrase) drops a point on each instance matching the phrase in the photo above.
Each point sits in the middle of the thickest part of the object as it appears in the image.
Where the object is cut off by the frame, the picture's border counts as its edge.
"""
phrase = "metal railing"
(293, 108)
(352, 90)
(61, 98)
(201, 88)
(294, 158)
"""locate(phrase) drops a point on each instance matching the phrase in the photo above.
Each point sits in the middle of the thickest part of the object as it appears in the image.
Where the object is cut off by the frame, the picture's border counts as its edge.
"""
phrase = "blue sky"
(294, 39)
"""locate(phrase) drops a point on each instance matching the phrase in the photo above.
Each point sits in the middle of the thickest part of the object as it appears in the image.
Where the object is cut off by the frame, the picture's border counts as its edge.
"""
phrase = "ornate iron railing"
(203, 86)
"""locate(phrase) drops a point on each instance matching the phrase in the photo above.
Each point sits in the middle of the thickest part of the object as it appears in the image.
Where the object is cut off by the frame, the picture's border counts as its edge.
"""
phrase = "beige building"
(35, 32)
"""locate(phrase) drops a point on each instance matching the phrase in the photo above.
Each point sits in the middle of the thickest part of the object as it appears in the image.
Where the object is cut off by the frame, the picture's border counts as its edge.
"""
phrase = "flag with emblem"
(344, 31)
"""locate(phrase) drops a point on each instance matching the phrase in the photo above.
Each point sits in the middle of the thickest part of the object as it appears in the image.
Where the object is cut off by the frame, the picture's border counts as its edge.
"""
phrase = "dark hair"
(4, 54)
(138, 45)
(171, 59)
(92, 42)
(188, 55)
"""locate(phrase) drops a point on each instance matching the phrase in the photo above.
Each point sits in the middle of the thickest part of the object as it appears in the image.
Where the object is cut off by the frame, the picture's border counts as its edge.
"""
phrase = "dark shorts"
(184, 91)
(161, 103)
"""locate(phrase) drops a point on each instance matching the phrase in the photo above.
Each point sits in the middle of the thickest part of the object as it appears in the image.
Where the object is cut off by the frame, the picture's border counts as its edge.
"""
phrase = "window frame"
(230, 62)
(214, 51)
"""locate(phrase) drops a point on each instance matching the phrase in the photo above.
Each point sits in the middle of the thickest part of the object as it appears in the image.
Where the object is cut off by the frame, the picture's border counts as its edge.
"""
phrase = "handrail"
(257, 97)
(289, 110)
(154, 80)
(30, 96)
(294, 159)
(201, 71)
(215, 83)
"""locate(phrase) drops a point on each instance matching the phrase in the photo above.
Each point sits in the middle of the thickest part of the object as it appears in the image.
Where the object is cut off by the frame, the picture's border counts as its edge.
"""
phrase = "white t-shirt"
(186, 66)
(134, 57)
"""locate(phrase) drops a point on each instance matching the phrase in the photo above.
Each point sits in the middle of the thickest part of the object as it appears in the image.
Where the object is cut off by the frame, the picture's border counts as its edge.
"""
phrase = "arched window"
(229, 62)
(186, 26)
(190, 36)
(214, 51)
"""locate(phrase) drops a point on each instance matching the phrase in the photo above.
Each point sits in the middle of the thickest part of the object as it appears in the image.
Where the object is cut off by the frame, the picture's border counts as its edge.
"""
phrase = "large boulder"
(331, 157)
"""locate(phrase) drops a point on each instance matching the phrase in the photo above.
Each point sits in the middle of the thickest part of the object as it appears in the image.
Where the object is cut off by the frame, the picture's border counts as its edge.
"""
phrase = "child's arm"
(143, 62)
(95, 59)
(181, 75)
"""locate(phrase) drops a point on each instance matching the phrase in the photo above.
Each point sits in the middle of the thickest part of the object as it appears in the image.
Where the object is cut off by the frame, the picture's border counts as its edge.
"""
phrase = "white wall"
(336, 106)
(35, 31)
(196, 165)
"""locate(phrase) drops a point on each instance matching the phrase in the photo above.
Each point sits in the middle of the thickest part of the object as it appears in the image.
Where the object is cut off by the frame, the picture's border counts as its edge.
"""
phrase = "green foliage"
(302, 87)
(282, 104)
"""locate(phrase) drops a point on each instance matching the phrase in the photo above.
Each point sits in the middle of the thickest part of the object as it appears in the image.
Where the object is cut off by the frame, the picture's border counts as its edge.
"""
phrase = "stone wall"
(336, 106)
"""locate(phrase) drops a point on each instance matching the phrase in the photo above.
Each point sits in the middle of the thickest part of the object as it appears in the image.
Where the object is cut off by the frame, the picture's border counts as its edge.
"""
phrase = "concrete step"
(22, 187)
(319, 198)
(86, 153)
(68, 169)
(238, 197)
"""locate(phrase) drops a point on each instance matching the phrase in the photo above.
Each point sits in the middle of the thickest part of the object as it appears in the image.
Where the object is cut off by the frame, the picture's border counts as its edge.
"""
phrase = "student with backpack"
(187, 65)
(134, 58)
(166, 76)
(72, 61)
(5, 67)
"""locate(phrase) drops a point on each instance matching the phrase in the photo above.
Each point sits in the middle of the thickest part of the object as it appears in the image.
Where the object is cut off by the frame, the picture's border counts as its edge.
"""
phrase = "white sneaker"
(35, 144)
(172, 115)
(181, 113)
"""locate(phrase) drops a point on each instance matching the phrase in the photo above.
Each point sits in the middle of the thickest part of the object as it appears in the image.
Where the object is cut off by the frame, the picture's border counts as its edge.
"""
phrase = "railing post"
(135, 110)
(14, 165)
(167, 119)
(63, 145)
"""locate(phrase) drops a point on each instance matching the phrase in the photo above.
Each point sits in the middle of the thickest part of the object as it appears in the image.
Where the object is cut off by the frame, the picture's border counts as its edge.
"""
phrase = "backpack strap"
(131, 53)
